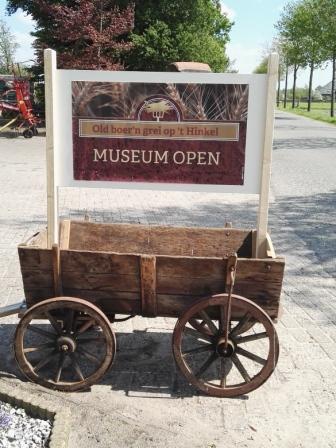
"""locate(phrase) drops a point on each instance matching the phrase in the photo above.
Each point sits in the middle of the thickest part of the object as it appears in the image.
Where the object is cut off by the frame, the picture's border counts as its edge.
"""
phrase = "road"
(143, 401)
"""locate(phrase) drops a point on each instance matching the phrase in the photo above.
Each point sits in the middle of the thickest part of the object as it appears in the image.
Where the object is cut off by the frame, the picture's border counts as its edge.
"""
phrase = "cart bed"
(148, 270)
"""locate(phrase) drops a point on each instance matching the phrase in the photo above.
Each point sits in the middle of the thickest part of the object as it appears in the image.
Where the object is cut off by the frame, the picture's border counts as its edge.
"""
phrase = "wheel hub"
(223, 351)
(66, 344)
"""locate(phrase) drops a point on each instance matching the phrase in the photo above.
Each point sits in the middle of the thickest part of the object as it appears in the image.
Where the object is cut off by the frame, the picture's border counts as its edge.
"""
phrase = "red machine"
(19, 109)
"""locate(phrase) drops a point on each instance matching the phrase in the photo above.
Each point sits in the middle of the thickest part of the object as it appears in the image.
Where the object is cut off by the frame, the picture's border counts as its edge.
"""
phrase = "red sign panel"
(170, 133)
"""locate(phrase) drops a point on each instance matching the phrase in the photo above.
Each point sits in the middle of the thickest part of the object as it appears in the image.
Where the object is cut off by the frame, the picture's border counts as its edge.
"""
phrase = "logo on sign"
(158, 108)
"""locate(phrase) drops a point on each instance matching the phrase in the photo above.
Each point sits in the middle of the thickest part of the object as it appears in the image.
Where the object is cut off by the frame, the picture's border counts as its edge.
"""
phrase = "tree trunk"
(286, 87)
(333, 86)
(294, 85)
(279, 81)
(310, 86)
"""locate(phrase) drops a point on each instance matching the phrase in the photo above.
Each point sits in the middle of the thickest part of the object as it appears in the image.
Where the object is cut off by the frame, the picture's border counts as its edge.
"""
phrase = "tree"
(262, 67)
(326, 16)
(178, 30)
(292, 41)
(164, 31)
(87, 34)
(8, 47)
(307, 17)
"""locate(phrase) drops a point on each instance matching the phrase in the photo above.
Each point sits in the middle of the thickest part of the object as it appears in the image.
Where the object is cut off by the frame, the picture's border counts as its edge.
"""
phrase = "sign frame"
(258, 152)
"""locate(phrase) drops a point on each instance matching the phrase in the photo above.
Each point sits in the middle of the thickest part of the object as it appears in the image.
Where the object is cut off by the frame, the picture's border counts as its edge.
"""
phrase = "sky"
(253, 29)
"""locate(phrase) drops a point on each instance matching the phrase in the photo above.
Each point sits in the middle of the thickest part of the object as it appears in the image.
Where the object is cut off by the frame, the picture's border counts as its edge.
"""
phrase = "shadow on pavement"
(305, 143)
(143, 366)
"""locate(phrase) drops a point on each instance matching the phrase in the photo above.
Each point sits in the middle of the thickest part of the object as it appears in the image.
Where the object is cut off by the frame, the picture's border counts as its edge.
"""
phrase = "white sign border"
(259, 138)
(254, 135)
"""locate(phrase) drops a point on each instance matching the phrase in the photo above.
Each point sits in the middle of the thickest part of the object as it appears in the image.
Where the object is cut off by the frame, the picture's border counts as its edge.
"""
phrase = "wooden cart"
(222, 285)
(225, 344)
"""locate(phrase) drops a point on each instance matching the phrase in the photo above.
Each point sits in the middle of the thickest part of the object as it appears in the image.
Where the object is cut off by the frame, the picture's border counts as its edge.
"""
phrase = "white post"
(273, 63)
(50, 67)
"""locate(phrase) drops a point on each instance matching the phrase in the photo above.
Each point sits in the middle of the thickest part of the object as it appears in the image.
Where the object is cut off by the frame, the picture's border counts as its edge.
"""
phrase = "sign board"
(159, 132)
(169, 131)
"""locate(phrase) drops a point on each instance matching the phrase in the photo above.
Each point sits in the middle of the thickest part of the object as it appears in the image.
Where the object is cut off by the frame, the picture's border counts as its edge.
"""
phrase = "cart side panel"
(37, 273)
(182, 281)
(158, 240)
(111, 281)
(261, 281)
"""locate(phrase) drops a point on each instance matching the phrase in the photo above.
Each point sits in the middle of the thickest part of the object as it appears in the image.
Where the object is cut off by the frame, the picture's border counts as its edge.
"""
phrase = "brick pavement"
(150, 404)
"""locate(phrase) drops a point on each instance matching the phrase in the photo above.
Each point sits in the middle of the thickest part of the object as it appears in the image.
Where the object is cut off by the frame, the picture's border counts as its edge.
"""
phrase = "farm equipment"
(16, 108)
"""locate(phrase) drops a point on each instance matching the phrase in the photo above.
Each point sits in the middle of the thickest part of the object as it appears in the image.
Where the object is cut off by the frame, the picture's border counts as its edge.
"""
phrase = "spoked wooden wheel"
(70, 349)
(229, 369)
(202, 326)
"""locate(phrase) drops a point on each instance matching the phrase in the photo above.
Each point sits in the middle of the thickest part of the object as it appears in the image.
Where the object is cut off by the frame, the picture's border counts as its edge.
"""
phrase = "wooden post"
(273, 63)
(50, 67)
(56, 258)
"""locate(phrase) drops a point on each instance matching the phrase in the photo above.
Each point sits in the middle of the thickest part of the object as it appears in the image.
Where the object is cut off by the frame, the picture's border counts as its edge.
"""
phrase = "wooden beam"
(273, 63)
(64, 234)
(148, 285)
(56, 259)
(12, 309)
(50, 67)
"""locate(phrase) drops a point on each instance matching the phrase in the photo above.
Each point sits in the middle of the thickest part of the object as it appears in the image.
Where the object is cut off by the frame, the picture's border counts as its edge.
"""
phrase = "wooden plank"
(100, 282)
(108, 304)
(148, 285)
(64, 234)
(35, 258)
(173, 305)
(57, 270)
(257, 280)
(36, 279)
(99, 262)
(272, 76)
(182, 267)
(35, 295)
(270, 248)
(103, 295)
(158, 240)
(190, 286)
(50, 67)
(260, 281)
(39, 240)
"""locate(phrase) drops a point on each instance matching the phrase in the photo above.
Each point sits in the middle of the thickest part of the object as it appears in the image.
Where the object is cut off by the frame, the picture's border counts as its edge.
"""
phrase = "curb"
(39, 408)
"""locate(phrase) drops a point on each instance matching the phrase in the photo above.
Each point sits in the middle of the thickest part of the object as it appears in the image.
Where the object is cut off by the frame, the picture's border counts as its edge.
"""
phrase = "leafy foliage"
(164, 32)
(8, 47)
(262, 67)
(87, 33)
(179, 30)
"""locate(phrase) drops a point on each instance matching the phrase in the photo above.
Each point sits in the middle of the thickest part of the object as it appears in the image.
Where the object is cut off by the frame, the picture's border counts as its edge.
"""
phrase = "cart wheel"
(244, 365)
(202, 326)
(28, 133)
(69, 351)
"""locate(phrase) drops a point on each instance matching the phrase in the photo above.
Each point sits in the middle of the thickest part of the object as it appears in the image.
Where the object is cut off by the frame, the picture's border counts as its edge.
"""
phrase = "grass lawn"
(319, 111)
